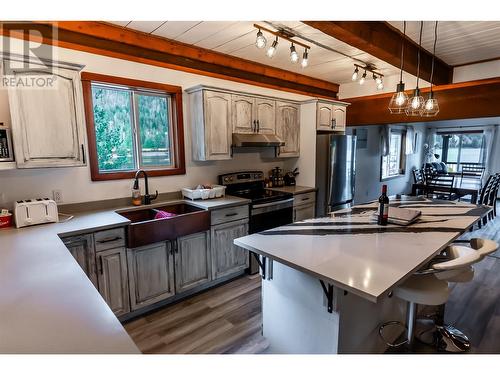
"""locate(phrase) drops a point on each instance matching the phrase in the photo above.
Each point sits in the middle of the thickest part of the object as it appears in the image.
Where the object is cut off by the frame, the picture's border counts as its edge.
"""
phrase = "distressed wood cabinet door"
(218, 130)
(82, 249)
(265, 115)
(304, 212)
(324, 116)
(151, 274)
(228, 258)
(242, 108)
(192, 261)
(48, 123)
(288, 128)
(113, 279)
(339, 117)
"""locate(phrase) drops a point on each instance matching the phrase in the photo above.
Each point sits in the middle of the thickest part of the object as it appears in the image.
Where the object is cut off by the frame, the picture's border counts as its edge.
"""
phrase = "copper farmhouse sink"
(144, 229)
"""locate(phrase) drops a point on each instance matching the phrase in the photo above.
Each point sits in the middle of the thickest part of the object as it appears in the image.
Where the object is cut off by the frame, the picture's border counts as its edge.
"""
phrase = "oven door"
(266, 216)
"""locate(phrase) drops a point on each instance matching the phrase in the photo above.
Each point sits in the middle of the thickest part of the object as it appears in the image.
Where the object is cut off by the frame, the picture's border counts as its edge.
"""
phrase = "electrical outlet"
(57, 196)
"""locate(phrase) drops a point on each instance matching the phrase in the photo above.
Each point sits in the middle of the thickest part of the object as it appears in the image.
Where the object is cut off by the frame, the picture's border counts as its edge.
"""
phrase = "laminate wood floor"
(226, 319)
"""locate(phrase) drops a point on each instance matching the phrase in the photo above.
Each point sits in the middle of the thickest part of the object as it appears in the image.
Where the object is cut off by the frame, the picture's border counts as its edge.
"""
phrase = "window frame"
(177, 138)
(460, 133)
(402, 157)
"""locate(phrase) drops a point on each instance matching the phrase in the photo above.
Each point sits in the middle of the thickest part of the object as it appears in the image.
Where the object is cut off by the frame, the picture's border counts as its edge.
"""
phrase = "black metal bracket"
(262, 264)
(329, 295)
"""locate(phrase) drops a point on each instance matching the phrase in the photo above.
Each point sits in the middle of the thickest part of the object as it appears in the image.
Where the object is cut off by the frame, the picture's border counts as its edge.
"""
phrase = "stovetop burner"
(261, 195)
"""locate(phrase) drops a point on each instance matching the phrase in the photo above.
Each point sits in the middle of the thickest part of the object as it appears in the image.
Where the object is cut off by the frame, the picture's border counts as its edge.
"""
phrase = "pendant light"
(431, 106)
(399, 99)
(260, 40)
(416, 102)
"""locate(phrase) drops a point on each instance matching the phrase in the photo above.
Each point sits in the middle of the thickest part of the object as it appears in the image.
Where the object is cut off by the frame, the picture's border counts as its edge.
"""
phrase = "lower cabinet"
(82, 249)
(193, 265)
(304, 212)
(151, 274)
(227, 258)
(113, 279)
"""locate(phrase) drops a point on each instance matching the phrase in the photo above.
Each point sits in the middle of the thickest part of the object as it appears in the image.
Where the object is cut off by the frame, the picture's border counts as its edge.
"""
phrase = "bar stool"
(425, 288)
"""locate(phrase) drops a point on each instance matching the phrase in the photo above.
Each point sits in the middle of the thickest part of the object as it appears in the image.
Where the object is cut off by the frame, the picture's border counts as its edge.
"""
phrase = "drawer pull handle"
(109, 240)
(232, 214)
(306, 199)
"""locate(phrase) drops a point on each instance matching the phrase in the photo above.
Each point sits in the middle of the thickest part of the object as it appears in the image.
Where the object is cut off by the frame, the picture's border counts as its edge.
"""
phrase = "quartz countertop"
(356, 255)
(47, 303)
(294, 189)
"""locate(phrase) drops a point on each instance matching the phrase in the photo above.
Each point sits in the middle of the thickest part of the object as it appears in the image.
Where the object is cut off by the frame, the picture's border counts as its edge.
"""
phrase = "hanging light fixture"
(431, 106)
(355, 74)
(399, 99)
(416, 102)
(363, 78)
(380, 85)
(294, 56)
(305, 59)
(271, 51)
(260, 41)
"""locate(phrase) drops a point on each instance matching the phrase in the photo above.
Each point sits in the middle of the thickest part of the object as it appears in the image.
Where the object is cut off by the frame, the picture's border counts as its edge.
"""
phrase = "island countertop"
(47, 303)
(352, 253)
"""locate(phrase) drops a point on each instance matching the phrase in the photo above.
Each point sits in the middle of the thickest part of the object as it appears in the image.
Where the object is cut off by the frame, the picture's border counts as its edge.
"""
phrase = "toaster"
(35, 211)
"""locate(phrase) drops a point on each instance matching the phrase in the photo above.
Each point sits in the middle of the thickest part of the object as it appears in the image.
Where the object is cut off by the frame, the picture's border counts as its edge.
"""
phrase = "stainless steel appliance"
(335, 172)
(268, 209)
(6, 151)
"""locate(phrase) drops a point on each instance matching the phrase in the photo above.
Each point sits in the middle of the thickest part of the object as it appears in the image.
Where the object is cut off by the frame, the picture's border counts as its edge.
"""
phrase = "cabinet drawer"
(306, 198)
(229, 214)
(109, 239)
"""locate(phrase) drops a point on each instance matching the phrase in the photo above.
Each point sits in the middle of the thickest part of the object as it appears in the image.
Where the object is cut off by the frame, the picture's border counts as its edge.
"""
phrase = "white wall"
(490, 69)
(75, 183)
(368, 160)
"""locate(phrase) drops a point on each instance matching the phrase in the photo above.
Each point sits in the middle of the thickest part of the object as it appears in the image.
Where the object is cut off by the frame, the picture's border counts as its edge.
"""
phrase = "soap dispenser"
(136, 194)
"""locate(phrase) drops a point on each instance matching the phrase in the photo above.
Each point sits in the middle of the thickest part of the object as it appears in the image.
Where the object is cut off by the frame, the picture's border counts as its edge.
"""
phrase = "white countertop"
(364, 258)
(47, 303)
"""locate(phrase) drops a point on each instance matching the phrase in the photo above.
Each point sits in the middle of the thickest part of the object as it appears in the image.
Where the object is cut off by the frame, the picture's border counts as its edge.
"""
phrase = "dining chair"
(488, 192)
(418, 176)
(472, 172)
(441, 187)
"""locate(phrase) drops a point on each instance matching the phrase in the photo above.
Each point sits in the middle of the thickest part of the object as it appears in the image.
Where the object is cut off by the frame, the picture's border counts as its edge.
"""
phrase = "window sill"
(107, 176)
(392, 177)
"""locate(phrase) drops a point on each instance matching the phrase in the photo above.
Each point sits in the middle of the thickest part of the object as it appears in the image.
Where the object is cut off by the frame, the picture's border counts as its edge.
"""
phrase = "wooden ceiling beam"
(115, 41)
(472, 99)
(383, 41)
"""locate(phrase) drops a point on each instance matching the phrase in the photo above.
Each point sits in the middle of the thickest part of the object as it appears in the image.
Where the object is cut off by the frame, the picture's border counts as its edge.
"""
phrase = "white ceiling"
(237, 38)
(458, 42)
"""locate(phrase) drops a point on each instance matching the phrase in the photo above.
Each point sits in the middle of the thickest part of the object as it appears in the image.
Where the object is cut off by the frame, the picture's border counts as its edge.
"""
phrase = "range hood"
(257, 140)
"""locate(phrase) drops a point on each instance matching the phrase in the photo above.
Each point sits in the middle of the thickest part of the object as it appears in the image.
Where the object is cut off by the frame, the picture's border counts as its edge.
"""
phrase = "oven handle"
(275, 203)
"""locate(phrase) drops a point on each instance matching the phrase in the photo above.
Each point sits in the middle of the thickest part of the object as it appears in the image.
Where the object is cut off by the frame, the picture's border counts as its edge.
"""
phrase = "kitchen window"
(393, 164)
(133, 125)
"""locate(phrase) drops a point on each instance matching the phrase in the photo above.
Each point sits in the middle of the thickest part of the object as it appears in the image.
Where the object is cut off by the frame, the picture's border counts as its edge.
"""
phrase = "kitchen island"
(327, 281)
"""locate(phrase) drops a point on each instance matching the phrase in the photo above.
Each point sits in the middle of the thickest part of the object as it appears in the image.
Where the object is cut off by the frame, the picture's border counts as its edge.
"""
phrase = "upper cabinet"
(288, 128)
(48, 122)
(215, 114)
(331, 116)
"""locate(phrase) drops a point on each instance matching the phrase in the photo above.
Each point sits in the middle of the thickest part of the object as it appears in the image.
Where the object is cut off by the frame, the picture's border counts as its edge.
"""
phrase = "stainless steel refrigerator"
(335, 172)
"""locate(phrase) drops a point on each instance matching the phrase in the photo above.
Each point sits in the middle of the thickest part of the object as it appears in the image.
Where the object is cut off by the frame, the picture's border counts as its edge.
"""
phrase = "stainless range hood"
(257, 140)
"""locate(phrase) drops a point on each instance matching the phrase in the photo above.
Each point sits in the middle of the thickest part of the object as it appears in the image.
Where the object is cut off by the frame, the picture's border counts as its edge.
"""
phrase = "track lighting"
(305, 59)
(378, 80)
(355, 74)
(380, 85)
(294, 56)
(261, 40)
(271, 51)
(363, 78)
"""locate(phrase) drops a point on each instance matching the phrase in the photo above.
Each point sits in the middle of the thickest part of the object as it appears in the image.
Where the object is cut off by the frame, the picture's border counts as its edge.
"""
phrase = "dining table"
(461, 188)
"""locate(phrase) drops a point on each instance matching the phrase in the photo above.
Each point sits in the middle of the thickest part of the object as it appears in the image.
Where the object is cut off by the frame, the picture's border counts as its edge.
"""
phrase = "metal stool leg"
(449, 338)
(411, 319)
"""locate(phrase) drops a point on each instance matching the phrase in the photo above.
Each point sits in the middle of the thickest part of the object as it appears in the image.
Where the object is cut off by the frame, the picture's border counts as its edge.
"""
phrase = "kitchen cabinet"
(304, 206)
(193, 265)
(253, 115)
(288, 128)
(331, 116)
(113, 279)
(82, 249)
(48, 123)
(228, 258)
(151, 274)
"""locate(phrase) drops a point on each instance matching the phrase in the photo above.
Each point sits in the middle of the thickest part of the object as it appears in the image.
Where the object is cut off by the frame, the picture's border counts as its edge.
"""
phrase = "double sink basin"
(144, 229)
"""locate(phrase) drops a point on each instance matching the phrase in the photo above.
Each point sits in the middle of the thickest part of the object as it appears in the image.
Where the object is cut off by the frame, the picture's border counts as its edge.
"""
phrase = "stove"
(268, 208)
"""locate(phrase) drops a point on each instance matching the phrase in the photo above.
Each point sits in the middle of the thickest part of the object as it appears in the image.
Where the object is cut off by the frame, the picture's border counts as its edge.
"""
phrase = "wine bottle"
(383, 207)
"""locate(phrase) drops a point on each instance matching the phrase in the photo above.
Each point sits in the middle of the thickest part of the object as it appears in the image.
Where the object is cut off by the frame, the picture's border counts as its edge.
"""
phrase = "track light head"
(294, 56)
(260, 41)
(363, 78)
(305, 59)
(271, 51)
(355, 74)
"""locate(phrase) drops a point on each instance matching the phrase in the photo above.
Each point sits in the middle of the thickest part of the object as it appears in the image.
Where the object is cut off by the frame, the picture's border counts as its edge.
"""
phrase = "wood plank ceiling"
(237, 38)
(459, 42)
